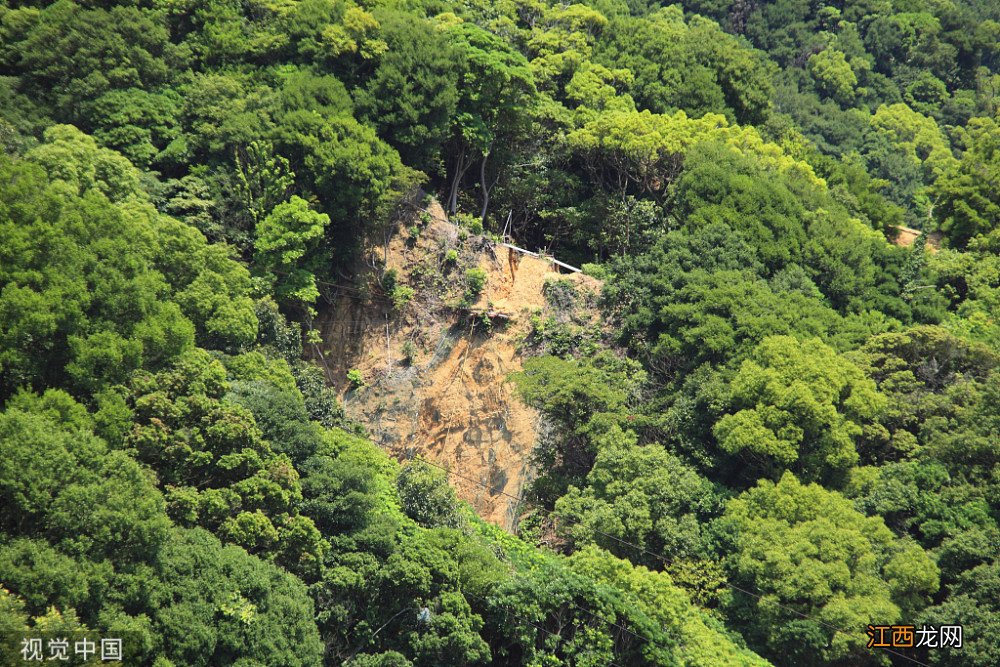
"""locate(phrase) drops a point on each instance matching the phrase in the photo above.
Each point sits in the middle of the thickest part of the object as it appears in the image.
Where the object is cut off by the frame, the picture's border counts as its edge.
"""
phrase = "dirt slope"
(450, 401)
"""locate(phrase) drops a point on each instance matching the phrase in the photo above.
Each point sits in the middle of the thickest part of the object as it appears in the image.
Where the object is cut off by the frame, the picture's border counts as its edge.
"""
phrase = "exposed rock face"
(436, 370)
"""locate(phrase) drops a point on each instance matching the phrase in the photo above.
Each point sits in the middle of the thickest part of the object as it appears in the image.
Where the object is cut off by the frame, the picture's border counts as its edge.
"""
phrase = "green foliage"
(57, 473)
(108, 544)
(470, 222)
(690, 65)
(137, 123)
(71, 54)
(426, 497)
(170, 466)
(222, 474)
(475, 281)
(409, 351)
(351, 170)
(643, 496)
(915, 370)
(263, 178)
(585, 401)
(972, 600)
(413, 92)
(808, 552)
(833, 75)
(398, 293)
(968, 192)
(696, 297)
(356, 378)
(801, 406)
(224, 607)
(270, 391)
(54, 322)
(287, 249)
(70, 156)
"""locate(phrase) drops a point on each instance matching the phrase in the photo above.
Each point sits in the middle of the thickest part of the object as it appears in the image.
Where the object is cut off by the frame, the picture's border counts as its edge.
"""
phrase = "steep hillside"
(436, 370)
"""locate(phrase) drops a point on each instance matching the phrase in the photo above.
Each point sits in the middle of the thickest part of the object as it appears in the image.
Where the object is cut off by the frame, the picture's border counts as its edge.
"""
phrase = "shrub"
(409, 351)
(470, 222)
(356, 378)
(560, 294)
(426, 497)
(475, 280)
(389, 279)
(401, 295)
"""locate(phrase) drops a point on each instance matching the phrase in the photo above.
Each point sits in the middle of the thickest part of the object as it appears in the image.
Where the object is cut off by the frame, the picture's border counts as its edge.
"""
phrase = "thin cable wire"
(486, 601)
(374, 634)
(666, 561)
(537, 627)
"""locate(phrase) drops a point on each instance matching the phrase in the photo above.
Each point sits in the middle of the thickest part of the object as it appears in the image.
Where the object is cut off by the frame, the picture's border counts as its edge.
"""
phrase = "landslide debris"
(422, 360)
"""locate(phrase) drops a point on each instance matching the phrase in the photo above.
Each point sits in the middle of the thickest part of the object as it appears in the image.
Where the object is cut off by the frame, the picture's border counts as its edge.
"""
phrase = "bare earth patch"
(451, 401)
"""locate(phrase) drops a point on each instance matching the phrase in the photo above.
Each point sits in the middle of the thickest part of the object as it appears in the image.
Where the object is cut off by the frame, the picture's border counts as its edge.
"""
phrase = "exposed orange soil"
(452, 403)
(906, 236)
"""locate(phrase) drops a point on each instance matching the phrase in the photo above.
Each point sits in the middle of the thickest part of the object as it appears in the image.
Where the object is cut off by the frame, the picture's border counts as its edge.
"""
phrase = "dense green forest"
(786, 428)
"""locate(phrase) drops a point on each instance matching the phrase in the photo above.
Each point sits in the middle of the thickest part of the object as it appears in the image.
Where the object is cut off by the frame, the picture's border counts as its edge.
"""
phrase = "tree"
(222, 113)
(220, 606)
(797, 404)
(72, 54)
(136, 123)
(495, 91)
(969, 203)
(971, 601)
(217, 470)
(264, 179)
(79, 290)
(818, 565)
(212, 288)
(916, 370)
(354, 173)
(720, 184)
(833, 75)
(287, 248)
(52, 460)
(640, 152)
(70, 156)
(585, 401)
(426, 496)
(643, 496)
(412, 95)
(687, 632)
(909, 150)
(690, 65)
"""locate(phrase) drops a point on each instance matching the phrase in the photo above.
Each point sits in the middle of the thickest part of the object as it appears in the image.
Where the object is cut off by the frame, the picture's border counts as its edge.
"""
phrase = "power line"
(664, 559)
(380, 629)
(487, 602)
(537, 627)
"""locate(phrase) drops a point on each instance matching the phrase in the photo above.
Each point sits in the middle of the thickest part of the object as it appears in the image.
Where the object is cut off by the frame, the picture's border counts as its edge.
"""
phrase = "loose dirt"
(451, 400)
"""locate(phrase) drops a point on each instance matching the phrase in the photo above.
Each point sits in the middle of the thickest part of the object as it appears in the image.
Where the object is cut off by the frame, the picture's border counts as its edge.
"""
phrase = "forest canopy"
(781, 424)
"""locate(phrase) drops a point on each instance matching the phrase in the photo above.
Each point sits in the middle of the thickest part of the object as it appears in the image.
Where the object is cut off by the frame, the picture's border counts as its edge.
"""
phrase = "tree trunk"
(461, 166)
(486, 188)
